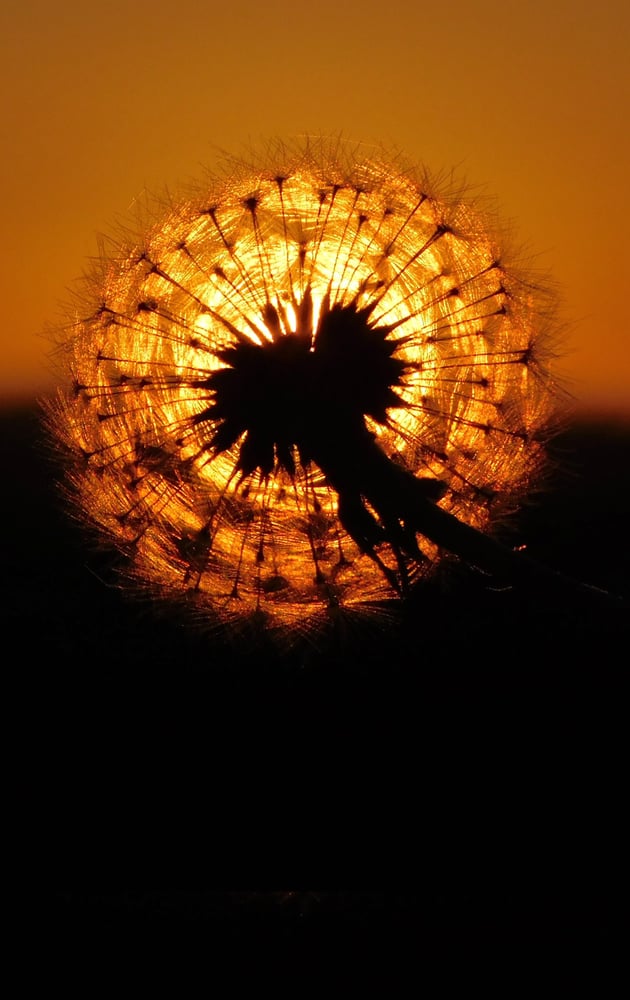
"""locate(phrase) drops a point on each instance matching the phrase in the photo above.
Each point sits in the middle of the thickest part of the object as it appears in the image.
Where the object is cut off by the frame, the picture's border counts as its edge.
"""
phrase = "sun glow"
(219, 495)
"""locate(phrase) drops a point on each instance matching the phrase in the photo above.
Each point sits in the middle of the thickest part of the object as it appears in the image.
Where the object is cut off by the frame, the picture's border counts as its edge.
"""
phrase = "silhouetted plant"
(298, 388)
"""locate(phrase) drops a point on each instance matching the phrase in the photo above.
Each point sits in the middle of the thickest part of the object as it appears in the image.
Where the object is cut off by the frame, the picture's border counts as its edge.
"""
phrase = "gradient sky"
(527, 102)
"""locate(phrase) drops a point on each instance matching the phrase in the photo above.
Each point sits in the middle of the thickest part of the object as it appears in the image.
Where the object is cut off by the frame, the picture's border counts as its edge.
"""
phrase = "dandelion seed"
(298, 388)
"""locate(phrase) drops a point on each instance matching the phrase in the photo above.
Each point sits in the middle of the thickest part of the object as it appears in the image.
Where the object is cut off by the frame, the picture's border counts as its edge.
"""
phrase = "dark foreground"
(461, 779)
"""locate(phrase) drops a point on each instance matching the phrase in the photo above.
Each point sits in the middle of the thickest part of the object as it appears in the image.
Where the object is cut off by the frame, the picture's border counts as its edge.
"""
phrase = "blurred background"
(525, 102)
(468, 766)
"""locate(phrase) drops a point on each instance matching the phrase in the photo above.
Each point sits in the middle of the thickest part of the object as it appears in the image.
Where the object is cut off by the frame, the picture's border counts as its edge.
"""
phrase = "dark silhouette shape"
(297, 392)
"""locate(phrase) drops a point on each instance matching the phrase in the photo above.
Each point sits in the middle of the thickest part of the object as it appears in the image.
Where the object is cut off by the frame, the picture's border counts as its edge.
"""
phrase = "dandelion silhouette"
(298, 389)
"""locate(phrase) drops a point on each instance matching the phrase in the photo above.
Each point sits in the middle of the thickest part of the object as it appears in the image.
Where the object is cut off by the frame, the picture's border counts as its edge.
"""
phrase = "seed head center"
(299, 394)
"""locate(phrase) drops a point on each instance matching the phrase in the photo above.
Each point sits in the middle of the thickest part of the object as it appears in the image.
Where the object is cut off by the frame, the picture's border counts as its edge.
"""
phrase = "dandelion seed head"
(243, 365)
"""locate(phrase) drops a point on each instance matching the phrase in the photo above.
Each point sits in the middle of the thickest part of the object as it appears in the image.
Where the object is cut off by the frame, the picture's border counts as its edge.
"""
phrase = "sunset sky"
(527, 102)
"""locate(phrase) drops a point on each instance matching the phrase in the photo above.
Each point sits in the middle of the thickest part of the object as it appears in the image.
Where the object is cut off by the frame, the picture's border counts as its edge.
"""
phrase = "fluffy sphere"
(275, 372)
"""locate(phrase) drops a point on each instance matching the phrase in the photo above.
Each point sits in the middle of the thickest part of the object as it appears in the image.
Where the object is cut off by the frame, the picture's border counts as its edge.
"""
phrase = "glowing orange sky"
(528, 101)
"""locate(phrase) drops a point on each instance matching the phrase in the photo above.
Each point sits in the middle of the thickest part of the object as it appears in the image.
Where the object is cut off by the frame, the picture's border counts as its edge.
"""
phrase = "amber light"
(256, 257)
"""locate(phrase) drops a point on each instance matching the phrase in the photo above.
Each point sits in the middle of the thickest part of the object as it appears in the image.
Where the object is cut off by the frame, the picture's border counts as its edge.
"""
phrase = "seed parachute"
(294, 391)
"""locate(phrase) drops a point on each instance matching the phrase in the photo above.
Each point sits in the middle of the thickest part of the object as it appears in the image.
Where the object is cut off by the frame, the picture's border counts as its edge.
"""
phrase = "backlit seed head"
(257, 375)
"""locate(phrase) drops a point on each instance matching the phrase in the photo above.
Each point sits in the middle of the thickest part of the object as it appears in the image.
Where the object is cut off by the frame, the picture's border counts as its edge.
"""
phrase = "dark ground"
(462, 780)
